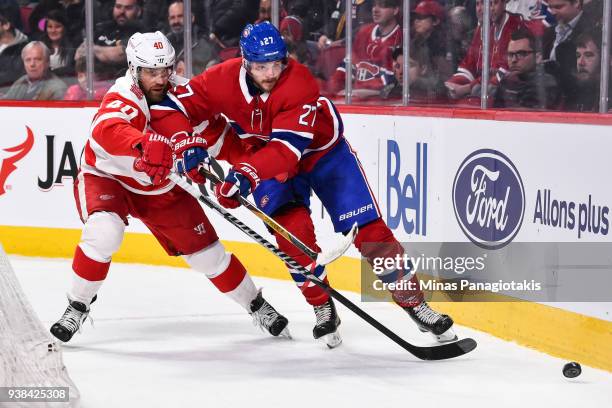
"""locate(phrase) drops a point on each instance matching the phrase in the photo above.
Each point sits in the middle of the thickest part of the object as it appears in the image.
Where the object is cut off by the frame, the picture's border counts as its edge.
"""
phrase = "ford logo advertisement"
(489, 198)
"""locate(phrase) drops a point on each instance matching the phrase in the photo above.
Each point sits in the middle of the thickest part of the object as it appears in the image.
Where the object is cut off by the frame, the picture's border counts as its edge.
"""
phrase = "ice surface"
(164, 337)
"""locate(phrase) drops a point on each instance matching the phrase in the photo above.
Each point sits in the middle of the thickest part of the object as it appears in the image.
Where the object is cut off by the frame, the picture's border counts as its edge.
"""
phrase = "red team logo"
(14, 155)
(367, 71)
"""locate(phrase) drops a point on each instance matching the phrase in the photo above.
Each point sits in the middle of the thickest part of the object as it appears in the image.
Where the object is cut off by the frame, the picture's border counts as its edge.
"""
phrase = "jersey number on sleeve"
(304, 116)
(128, 110)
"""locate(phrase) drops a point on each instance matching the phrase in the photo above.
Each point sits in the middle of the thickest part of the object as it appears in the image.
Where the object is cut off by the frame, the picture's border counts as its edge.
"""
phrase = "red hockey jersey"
(237, 120)
(470, 69)
(372, 60)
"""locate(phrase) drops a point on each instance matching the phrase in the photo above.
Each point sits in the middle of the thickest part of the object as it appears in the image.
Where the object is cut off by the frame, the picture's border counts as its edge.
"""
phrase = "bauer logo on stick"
(489, 198)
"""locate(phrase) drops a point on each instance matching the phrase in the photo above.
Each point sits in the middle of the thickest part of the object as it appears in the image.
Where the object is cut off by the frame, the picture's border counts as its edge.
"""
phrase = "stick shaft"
(266, 219)
(425, 353)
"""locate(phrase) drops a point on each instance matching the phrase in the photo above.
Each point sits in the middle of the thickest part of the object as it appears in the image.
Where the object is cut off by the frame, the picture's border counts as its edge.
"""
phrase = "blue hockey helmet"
(262, 43)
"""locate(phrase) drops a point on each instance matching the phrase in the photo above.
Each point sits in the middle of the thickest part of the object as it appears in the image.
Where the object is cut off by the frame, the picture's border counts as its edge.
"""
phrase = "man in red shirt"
(467, 80)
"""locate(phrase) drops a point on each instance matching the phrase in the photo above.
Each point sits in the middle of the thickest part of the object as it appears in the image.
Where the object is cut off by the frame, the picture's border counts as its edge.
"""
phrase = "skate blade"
(446, 337)
(286, 334)
(332, 340)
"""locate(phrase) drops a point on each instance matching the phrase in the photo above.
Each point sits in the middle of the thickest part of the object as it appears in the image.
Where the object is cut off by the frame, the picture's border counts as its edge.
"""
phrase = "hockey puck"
(572, 370)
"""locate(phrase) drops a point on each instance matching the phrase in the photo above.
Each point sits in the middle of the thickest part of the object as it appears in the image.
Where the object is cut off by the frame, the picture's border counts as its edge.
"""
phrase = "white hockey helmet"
(149, 50)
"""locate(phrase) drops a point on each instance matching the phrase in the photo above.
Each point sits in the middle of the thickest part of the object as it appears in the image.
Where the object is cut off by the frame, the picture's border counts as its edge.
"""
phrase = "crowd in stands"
(544, 54)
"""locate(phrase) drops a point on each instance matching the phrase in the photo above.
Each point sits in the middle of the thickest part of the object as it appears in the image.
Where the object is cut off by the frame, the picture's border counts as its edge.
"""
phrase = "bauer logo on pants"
(489, 198)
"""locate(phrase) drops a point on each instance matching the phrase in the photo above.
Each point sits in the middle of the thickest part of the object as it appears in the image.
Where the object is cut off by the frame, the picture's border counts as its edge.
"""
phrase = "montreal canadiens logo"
(489, 199)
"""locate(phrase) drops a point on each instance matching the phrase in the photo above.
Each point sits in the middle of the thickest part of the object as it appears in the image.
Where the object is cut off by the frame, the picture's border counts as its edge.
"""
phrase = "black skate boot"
(430, 321)
(266, 317)
(327, 324)
(71, 321)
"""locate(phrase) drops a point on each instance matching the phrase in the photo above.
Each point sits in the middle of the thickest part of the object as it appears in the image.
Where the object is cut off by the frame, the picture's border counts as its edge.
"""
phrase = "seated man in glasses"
(527, 84)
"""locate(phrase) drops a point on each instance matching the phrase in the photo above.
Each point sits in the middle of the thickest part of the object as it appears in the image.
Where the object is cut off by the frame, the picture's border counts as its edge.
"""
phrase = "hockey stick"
(320, 258)
(273, 224)
(439, 352)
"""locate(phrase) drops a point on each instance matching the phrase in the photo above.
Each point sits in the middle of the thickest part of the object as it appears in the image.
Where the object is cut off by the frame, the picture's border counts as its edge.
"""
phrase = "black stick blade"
(444, 351)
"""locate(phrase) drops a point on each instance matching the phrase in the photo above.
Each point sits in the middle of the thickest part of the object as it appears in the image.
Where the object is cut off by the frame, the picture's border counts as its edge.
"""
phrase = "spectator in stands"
(265, 11)
(424, 85)
(429, 35)
(10, 10)
(12, 42)
(111, 36)
(526, 85)
(225, 19)
(313, 14)
(78, 91)
(293, 32)
(75, 18)
(38, 83)
(55, 38)
(176, 24)
(333, 29)
(203, 51)
(560, 40)
(330, 36)
(36, 19)
(466, 81)
(460, 31)
(292, 29)
(585, 96)
(372, 49)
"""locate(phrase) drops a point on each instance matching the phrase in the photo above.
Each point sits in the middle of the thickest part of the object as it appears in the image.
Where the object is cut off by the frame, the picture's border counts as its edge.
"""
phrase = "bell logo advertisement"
(489, 199)
(407, 193)
(11, 155)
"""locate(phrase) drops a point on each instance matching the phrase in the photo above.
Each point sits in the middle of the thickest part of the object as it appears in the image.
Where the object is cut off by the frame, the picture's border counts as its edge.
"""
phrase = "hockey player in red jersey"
(371, 57)
(284, 140)
(124, 173)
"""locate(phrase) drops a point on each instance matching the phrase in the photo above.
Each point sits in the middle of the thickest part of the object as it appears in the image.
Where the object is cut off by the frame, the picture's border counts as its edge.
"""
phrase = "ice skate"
(71, 321)
(267, 318)
(430, 321)
(327, 324)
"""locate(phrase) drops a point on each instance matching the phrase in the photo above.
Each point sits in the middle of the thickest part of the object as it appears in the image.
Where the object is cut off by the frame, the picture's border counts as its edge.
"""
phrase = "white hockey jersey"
(114, 138)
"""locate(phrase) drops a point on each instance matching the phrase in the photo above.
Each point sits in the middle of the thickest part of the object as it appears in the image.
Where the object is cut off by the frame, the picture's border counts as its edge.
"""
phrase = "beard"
(155, 96)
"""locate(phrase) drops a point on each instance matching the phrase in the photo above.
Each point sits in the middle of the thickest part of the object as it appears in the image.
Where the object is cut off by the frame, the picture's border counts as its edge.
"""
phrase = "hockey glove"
(240, 180)
(156, 157)
(189, 153)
